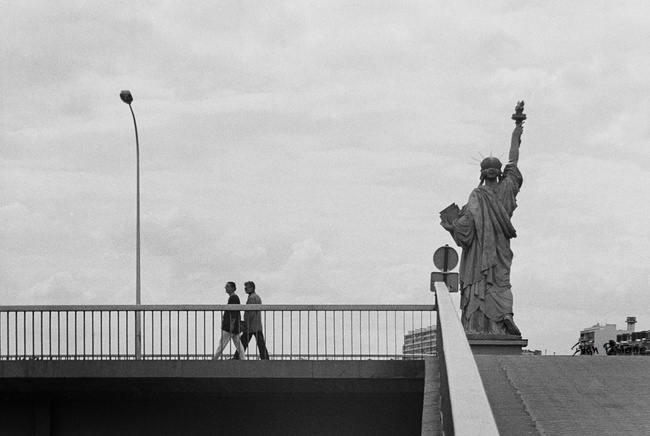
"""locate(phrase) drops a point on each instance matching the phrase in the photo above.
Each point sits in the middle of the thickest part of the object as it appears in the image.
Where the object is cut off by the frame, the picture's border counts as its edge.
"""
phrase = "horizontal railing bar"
(222, 307)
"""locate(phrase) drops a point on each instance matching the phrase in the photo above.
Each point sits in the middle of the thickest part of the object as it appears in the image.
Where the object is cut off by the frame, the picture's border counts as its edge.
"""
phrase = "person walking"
(231, 326)
(253, 323)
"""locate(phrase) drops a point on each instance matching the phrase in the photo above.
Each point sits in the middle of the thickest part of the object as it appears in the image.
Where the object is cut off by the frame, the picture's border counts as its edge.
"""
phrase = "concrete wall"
(230, 397)
(266, 415)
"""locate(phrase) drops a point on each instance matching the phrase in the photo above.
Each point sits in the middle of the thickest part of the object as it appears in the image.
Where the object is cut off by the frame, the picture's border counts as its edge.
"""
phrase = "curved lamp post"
(128, 99)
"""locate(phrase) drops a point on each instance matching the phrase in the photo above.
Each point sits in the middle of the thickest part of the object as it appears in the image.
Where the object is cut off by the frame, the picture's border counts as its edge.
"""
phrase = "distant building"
(596, 339)
(420, 341)
(593, 339)
(423, 341)
(631, 342)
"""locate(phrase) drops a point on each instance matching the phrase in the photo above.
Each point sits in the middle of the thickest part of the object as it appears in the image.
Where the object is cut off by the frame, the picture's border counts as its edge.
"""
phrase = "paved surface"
(507, 406)
(565, 395)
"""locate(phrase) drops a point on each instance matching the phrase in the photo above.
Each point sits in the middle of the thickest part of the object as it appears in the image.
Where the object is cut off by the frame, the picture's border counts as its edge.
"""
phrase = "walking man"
(253, 323)
(231, 326)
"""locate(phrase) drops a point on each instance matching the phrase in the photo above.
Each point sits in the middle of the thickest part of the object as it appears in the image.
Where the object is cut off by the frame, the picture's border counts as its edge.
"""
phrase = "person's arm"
(256, 316)
(513, 156)
(248, 315)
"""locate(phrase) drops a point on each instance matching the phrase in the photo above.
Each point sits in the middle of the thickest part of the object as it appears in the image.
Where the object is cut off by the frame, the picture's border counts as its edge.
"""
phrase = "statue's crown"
(490, 162)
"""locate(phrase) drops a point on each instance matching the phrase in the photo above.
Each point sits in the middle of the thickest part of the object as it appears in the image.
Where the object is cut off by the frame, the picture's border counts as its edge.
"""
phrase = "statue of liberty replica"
(482, 228)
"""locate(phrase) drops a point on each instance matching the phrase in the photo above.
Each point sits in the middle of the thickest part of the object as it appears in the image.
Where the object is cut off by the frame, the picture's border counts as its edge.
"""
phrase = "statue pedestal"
(496, 344)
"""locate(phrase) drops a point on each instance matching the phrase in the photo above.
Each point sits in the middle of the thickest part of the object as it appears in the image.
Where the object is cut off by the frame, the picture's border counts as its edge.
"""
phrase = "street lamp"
(128, 98)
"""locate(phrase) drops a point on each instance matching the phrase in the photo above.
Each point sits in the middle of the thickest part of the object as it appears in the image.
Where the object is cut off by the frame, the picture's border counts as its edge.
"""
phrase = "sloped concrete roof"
(566, 395)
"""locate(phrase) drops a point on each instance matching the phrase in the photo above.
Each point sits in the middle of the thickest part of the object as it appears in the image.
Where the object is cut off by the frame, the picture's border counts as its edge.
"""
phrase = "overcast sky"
(309, 146)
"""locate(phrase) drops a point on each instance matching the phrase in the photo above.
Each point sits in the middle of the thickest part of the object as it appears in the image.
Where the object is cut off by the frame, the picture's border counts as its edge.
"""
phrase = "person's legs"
(238, 345)
(223, 342)
(261, 345)
(245, 339)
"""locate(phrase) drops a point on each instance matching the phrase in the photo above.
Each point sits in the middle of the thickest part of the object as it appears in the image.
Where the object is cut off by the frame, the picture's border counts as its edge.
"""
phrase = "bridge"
(334, 369)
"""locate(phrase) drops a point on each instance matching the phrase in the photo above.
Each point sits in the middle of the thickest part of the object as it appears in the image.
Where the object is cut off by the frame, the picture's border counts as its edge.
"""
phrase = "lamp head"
(126, 97)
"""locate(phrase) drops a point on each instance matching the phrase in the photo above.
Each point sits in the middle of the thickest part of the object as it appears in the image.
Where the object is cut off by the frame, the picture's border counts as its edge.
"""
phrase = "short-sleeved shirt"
(229, 315)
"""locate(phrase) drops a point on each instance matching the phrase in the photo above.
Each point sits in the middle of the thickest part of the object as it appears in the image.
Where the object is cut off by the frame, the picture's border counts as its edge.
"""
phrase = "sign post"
(445, 259)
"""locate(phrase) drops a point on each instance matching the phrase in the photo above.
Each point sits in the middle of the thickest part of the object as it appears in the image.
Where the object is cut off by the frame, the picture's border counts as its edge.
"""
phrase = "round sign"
(445, 258)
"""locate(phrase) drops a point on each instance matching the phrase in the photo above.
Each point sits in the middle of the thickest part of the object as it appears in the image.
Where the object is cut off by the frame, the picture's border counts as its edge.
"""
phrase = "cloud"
(309, 147)
(61, 287)
(303, 274)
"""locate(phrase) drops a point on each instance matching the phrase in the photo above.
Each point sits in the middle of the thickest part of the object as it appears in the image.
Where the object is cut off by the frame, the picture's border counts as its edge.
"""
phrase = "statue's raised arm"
(519, 116)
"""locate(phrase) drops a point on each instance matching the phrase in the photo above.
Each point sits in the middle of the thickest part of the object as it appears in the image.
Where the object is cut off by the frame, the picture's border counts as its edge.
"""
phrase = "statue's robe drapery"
(483, 231)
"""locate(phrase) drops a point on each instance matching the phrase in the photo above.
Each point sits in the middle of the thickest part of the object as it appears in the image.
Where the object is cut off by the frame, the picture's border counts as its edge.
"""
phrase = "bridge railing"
(193, 332)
